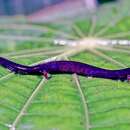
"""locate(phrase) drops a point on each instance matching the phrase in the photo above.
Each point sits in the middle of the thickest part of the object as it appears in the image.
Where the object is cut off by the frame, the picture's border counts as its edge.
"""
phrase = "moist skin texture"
(66, 67)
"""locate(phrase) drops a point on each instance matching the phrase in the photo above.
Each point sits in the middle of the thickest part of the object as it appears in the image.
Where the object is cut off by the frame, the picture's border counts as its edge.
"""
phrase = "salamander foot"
(128, 78)
(46, 75)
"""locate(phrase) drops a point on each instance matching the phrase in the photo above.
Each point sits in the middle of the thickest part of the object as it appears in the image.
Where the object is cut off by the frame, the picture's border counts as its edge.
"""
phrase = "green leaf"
(65, 102)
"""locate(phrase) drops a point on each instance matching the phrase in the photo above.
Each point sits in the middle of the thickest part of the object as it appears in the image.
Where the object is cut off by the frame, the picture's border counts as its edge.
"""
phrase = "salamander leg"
(46, 75)
(128, 78)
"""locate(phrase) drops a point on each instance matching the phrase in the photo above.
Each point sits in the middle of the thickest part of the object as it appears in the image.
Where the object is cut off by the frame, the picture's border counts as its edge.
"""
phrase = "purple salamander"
(66, 67)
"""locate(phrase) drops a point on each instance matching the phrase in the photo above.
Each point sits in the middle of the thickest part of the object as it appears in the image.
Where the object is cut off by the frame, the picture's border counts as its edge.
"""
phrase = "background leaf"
(66, 102)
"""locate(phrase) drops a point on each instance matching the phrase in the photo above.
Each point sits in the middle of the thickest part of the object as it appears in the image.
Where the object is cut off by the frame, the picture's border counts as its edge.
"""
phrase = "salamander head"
(2, 60)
